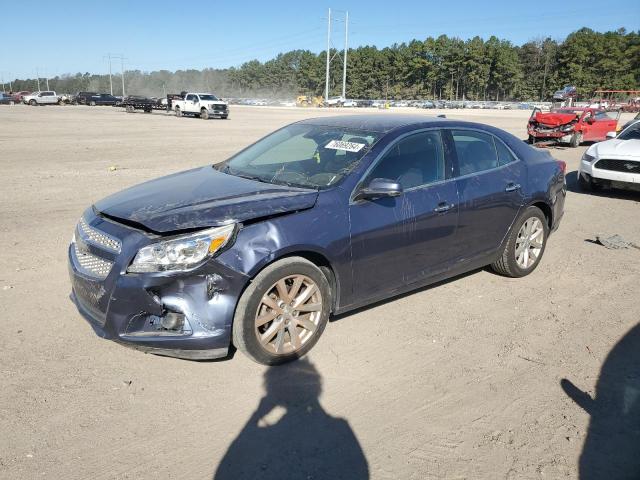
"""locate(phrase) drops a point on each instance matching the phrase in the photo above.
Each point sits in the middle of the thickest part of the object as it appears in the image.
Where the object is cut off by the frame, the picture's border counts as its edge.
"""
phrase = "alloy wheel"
(288, 314)
(529, 242)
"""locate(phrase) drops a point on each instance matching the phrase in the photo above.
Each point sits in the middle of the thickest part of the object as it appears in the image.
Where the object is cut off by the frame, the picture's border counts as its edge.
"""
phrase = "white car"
(616, 160)
(41, 98)
(204, 105)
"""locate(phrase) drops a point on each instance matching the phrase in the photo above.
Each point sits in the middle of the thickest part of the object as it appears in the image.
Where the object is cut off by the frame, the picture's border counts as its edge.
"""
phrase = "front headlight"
(588, 158)
(181, 253)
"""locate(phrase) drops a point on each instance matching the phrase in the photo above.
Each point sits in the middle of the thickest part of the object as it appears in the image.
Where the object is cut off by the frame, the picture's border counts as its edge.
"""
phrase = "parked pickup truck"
(41, 98)
(204, 105)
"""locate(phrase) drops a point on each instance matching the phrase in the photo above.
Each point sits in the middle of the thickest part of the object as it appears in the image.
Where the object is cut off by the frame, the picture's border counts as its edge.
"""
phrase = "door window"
(475, 150)
(413, 161)
(191, 98)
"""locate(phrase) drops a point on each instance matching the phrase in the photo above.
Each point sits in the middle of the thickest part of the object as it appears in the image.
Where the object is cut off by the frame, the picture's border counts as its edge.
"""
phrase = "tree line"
(443, 68)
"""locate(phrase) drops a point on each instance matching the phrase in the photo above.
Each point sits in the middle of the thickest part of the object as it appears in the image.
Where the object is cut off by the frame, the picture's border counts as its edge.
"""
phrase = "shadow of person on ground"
(290, 436)
(612, 448)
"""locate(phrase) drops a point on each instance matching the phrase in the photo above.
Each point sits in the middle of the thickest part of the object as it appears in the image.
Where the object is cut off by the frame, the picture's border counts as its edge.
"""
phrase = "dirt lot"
(461, 380)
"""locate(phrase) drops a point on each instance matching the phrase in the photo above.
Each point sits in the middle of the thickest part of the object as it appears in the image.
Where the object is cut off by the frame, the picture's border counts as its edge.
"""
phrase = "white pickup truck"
(41, 98)
(204, 105)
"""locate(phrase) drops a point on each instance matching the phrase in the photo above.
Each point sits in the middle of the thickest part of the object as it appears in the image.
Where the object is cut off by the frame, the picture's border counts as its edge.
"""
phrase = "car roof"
(374, 122)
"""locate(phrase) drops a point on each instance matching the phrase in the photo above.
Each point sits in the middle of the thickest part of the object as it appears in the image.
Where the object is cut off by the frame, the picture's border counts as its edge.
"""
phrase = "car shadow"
(612, 447)
(291, 436)
(612, 192)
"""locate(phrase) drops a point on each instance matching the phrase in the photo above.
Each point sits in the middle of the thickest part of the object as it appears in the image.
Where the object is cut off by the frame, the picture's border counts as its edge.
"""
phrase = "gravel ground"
(460, 380)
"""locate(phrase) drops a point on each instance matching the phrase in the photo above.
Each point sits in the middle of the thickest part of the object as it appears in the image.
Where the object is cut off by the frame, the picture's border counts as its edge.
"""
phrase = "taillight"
(563, 166)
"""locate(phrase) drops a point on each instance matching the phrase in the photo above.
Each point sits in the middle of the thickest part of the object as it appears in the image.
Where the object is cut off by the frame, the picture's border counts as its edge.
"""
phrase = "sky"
(77, 35)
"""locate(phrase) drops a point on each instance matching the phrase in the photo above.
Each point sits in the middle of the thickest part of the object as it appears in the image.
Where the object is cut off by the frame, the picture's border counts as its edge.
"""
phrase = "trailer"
(132, 103)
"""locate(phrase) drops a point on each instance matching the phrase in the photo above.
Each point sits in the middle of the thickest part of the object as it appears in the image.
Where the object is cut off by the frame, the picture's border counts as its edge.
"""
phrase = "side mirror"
(611, 134)
(590, 120)
(379, 188)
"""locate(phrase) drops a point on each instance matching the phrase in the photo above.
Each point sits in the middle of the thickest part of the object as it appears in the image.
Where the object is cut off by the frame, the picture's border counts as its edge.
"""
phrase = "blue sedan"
(320, 217)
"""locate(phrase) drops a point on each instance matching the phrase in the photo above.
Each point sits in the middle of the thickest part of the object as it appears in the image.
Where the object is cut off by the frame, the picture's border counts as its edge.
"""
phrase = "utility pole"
(326, 81)
(122, 69)
(344, 67)
(47, 78)
(110, 80)
(122, 59)
(38, 74)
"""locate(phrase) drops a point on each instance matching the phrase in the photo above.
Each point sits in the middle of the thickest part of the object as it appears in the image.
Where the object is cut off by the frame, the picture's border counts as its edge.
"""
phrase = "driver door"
(397, 241)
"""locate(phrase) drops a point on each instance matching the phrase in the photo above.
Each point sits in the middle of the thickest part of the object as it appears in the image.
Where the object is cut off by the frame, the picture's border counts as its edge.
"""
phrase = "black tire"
(576, 140)
(204, 114)
(586, 185)
(130, 109)
(33, 103)
(507, 265)
(178, 112)
(531, 140)
(244, 329)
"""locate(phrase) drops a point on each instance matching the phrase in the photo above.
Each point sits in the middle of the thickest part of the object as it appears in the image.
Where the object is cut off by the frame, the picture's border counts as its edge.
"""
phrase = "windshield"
(631, 133)
(310, 156)
(566, 110)
(208, 97)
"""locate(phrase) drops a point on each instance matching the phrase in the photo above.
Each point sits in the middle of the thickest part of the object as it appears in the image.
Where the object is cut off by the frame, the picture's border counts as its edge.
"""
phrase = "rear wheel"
(283, 312)
(204, 114)
(33, 103)
(525, 245)
(576, 140)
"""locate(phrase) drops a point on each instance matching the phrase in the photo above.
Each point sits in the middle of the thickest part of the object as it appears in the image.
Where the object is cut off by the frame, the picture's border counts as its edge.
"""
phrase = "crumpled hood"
(554, 119)
(618, 148)
(202, 197)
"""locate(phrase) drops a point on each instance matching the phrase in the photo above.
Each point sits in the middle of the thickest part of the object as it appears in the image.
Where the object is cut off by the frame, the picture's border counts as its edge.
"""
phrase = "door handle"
(443, 207)
(512, 187)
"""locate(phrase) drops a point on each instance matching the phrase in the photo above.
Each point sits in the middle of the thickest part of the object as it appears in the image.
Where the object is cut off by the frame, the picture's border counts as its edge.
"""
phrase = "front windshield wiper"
(248, 176)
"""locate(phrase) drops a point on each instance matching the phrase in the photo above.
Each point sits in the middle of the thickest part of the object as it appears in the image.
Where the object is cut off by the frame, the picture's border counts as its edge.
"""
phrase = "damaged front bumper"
(180, 314)
(550, 134)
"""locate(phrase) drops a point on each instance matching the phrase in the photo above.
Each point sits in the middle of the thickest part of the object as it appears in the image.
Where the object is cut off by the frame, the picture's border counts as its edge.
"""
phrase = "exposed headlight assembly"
(588, 158)
(181, 253)
(567, 128)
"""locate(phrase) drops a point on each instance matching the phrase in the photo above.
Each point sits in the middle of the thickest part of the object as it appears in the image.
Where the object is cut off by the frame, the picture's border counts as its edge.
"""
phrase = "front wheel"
(524, 246)
(178, 112)
(576, 140)
(283, 312)
(33, 103)
(204, 114)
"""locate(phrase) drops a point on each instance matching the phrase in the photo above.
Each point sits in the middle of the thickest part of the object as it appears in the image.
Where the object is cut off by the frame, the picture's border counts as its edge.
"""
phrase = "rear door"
(398, 241)
(190, 104)
(490, 181)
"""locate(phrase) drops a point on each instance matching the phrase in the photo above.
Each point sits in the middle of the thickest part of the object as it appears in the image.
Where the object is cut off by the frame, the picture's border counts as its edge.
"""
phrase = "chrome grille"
(96, 266)
(98, 238)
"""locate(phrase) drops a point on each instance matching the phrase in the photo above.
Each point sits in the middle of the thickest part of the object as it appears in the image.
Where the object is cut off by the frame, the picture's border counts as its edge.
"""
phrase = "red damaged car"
(572, 125)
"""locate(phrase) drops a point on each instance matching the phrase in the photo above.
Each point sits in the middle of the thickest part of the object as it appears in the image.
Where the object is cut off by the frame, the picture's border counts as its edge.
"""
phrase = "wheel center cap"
(287, 310)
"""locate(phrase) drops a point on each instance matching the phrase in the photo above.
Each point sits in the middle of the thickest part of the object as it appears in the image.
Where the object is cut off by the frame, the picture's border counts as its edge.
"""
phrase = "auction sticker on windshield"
(347, 146)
